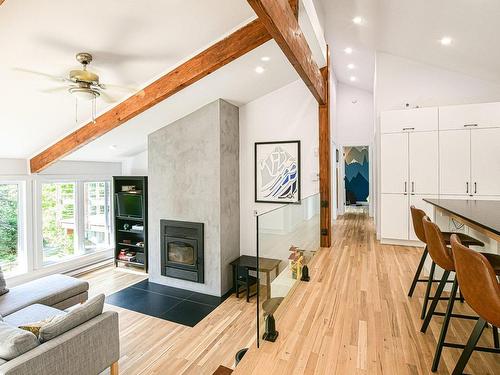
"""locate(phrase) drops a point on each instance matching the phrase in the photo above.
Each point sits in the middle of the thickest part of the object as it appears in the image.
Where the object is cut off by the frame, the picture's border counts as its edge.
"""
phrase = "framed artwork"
(277, 172)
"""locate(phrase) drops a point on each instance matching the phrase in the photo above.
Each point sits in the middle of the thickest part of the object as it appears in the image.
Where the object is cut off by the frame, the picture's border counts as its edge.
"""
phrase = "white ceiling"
(412, 29)
(132, 41)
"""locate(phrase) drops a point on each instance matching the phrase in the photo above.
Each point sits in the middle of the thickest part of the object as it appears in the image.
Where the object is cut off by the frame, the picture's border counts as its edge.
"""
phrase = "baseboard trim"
(389, 241)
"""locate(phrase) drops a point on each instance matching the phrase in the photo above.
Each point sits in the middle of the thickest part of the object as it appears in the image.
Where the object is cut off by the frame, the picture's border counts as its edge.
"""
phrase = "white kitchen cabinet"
(483, 115)
(485, 161)
(394, 216)
(454, 162)
(423, 162)
(394, 163)
(418, 202)
(458, 161)
(419, 119)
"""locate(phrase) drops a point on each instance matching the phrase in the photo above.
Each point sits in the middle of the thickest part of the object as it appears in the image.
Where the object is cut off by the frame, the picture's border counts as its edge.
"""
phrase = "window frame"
(79, 214)
(22, 224)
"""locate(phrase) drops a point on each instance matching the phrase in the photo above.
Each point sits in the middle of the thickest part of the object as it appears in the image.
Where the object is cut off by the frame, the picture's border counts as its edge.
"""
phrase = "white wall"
(399, 81)
(354, 127)
(289, 113)
(136, 165)
(354, 116)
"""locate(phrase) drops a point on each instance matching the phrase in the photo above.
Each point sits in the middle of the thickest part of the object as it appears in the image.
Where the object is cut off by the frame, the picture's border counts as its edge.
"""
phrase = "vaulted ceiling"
(413, 29)
(132, 42)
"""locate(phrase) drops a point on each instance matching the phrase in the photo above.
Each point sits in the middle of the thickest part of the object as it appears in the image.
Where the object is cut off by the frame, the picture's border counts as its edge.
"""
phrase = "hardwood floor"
(352, 318)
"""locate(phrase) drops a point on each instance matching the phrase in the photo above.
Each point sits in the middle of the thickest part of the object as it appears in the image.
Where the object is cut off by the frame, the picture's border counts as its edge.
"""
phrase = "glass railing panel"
(287, 238)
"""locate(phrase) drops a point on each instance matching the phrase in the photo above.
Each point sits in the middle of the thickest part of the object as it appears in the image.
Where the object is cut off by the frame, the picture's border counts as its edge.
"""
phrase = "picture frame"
(277, 171)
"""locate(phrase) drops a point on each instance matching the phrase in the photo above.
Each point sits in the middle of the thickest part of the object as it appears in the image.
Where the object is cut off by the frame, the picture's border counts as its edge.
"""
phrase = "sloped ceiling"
(412, 29)
(133, 42)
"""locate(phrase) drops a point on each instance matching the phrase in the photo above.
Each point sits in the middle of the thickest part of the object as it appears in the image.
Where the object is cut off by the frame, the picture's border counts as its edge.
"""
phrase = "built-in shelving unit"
(131, 210)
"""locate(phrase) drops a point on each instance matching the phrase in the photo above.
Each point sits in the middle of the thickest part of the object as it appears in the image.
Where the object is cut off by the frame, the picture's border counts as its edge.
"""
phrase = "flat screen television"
(129, 205)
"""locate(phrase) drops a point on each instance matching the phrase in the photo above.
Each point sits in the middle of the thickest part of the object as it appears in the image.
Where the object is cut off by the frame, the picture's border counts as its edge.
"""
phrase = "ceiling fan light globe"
(84, 93)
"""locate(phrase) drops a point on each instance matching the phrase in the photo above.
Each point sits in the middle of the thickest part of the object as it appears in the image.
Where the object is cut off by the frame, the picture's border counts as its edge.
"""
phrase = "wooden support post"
(324, 160)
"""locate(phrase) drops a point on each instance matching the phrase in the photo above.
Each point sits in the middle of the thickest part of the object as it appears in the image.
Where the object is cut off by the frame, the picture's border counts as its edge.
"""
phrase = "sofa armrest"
(87, 349)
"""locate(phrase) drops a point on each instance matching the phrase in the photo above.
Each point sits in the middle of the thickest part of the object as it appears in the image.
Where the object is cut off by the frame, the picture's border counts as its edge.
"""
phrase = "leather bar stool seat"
(481, 291)
(417, 215)
(443, 256)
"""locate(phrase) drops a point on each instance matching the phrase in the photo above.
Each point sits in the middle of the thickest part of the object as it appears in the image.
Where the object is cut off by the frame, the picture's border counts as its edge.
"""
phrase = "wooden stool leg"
(428, 291)
(469, 348)
(444, 328)
(435, 301)
(114, 368)
(417, 273)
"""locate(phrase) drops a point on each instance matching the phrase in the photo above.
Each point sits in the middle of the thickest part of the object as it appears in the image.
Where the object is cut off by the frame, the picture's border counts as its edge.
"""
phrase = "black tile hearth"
(188, 313)
(173, 304)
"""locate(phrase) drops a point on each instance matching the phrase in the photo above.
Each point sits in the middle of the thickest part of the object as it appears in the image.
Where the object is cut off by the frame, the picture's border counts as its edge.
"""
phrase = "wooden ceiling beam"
(294, 4)
(280, 21)
(216, 56)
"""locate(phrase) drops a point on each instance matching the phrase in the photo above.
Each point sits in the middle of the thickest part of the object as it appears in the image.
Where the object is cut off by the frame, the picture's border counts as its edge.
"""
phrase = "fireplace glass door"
(181, 251)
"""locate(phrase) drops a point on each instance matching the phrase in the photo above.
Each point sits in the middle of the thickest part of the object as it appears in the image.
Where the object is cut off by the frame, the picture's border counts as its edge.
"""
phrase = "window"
(76, 219)
(11, 228)
(59, 239)
(97, 216)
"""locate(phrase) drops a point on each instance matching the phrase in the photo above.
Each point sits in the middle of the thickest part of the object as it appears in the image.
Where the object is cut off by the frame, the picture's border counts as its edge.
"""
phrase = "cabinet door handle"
(408, 129)
(469, 125)
(475, 187)
(405, 187)
(413, 187)
(467, 187)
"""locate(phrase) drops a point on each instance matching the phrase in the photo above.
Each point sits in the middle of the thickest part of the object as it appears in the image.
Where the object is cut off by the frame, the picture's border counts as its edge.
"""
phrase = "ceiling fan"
(82, 83)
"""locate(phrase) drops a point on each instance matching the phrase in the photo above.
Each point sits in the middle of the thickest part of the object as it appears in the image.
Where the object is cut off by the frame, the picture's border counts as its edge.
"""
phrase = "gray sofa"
(87, 349)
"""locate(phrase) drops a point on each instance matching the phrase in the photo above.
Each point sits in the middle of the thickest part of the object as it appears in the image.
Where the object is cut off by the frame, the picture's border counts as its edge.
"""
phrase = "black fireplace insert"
(182, 250)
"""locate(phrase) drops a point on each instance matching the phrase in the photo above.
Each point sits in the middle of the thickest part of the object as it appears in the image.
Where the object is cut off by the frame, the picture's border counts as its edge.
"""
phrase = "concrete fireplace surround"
(194, 176)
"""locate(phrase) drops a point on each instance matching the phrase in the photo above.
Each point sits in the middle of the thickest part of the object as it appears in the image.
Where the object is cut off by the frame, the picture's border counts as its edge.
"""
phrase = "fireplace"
(182, 250)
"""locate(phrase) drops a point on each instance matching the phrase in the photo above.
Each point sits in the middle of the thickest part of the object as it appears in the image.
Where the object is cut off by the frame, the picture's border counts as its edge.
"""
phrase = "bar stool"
(481, 291)
(416, 216)
(443, 257)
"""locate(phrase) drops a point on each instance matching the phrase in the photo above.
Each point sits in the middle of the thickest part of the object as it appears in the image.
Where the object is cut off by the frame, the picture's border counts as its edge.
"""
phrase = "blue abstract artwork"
(277, 172)
(356, 174)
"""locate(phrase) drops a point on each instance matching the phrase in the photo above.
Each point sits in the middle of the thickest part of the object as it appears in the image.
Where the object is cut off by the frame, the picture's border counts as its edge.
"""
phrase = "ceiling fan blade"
(106, 86)
(107, 98)
(54, 90)
(41, 74)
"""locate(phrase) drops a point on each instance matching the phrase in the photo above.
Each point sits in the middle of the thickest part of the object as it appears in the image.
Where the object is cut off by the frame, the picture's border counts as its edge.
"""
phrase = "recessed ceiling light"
(265, 58)
(348, 50)
(446, 41)
(357, 20)
(353, 79)
(112, 147)
(259, 69)
(351, 66)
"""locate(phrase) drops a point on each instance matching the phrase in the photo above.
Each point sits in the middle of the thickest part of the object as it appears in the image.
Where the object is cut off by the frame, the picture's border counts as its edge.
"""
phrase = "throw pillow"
(63, 323)
(35, 327)
(3, 284)
(15, 341)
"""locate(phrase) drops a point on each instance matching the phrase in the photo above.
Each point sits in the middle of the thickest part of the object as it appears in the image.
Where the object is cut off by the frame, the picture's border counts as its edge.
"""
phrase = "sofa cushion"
(2, 361)
(72, 319)
(48, 291)
(31, 314)
(3, 284)
(15, 341)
